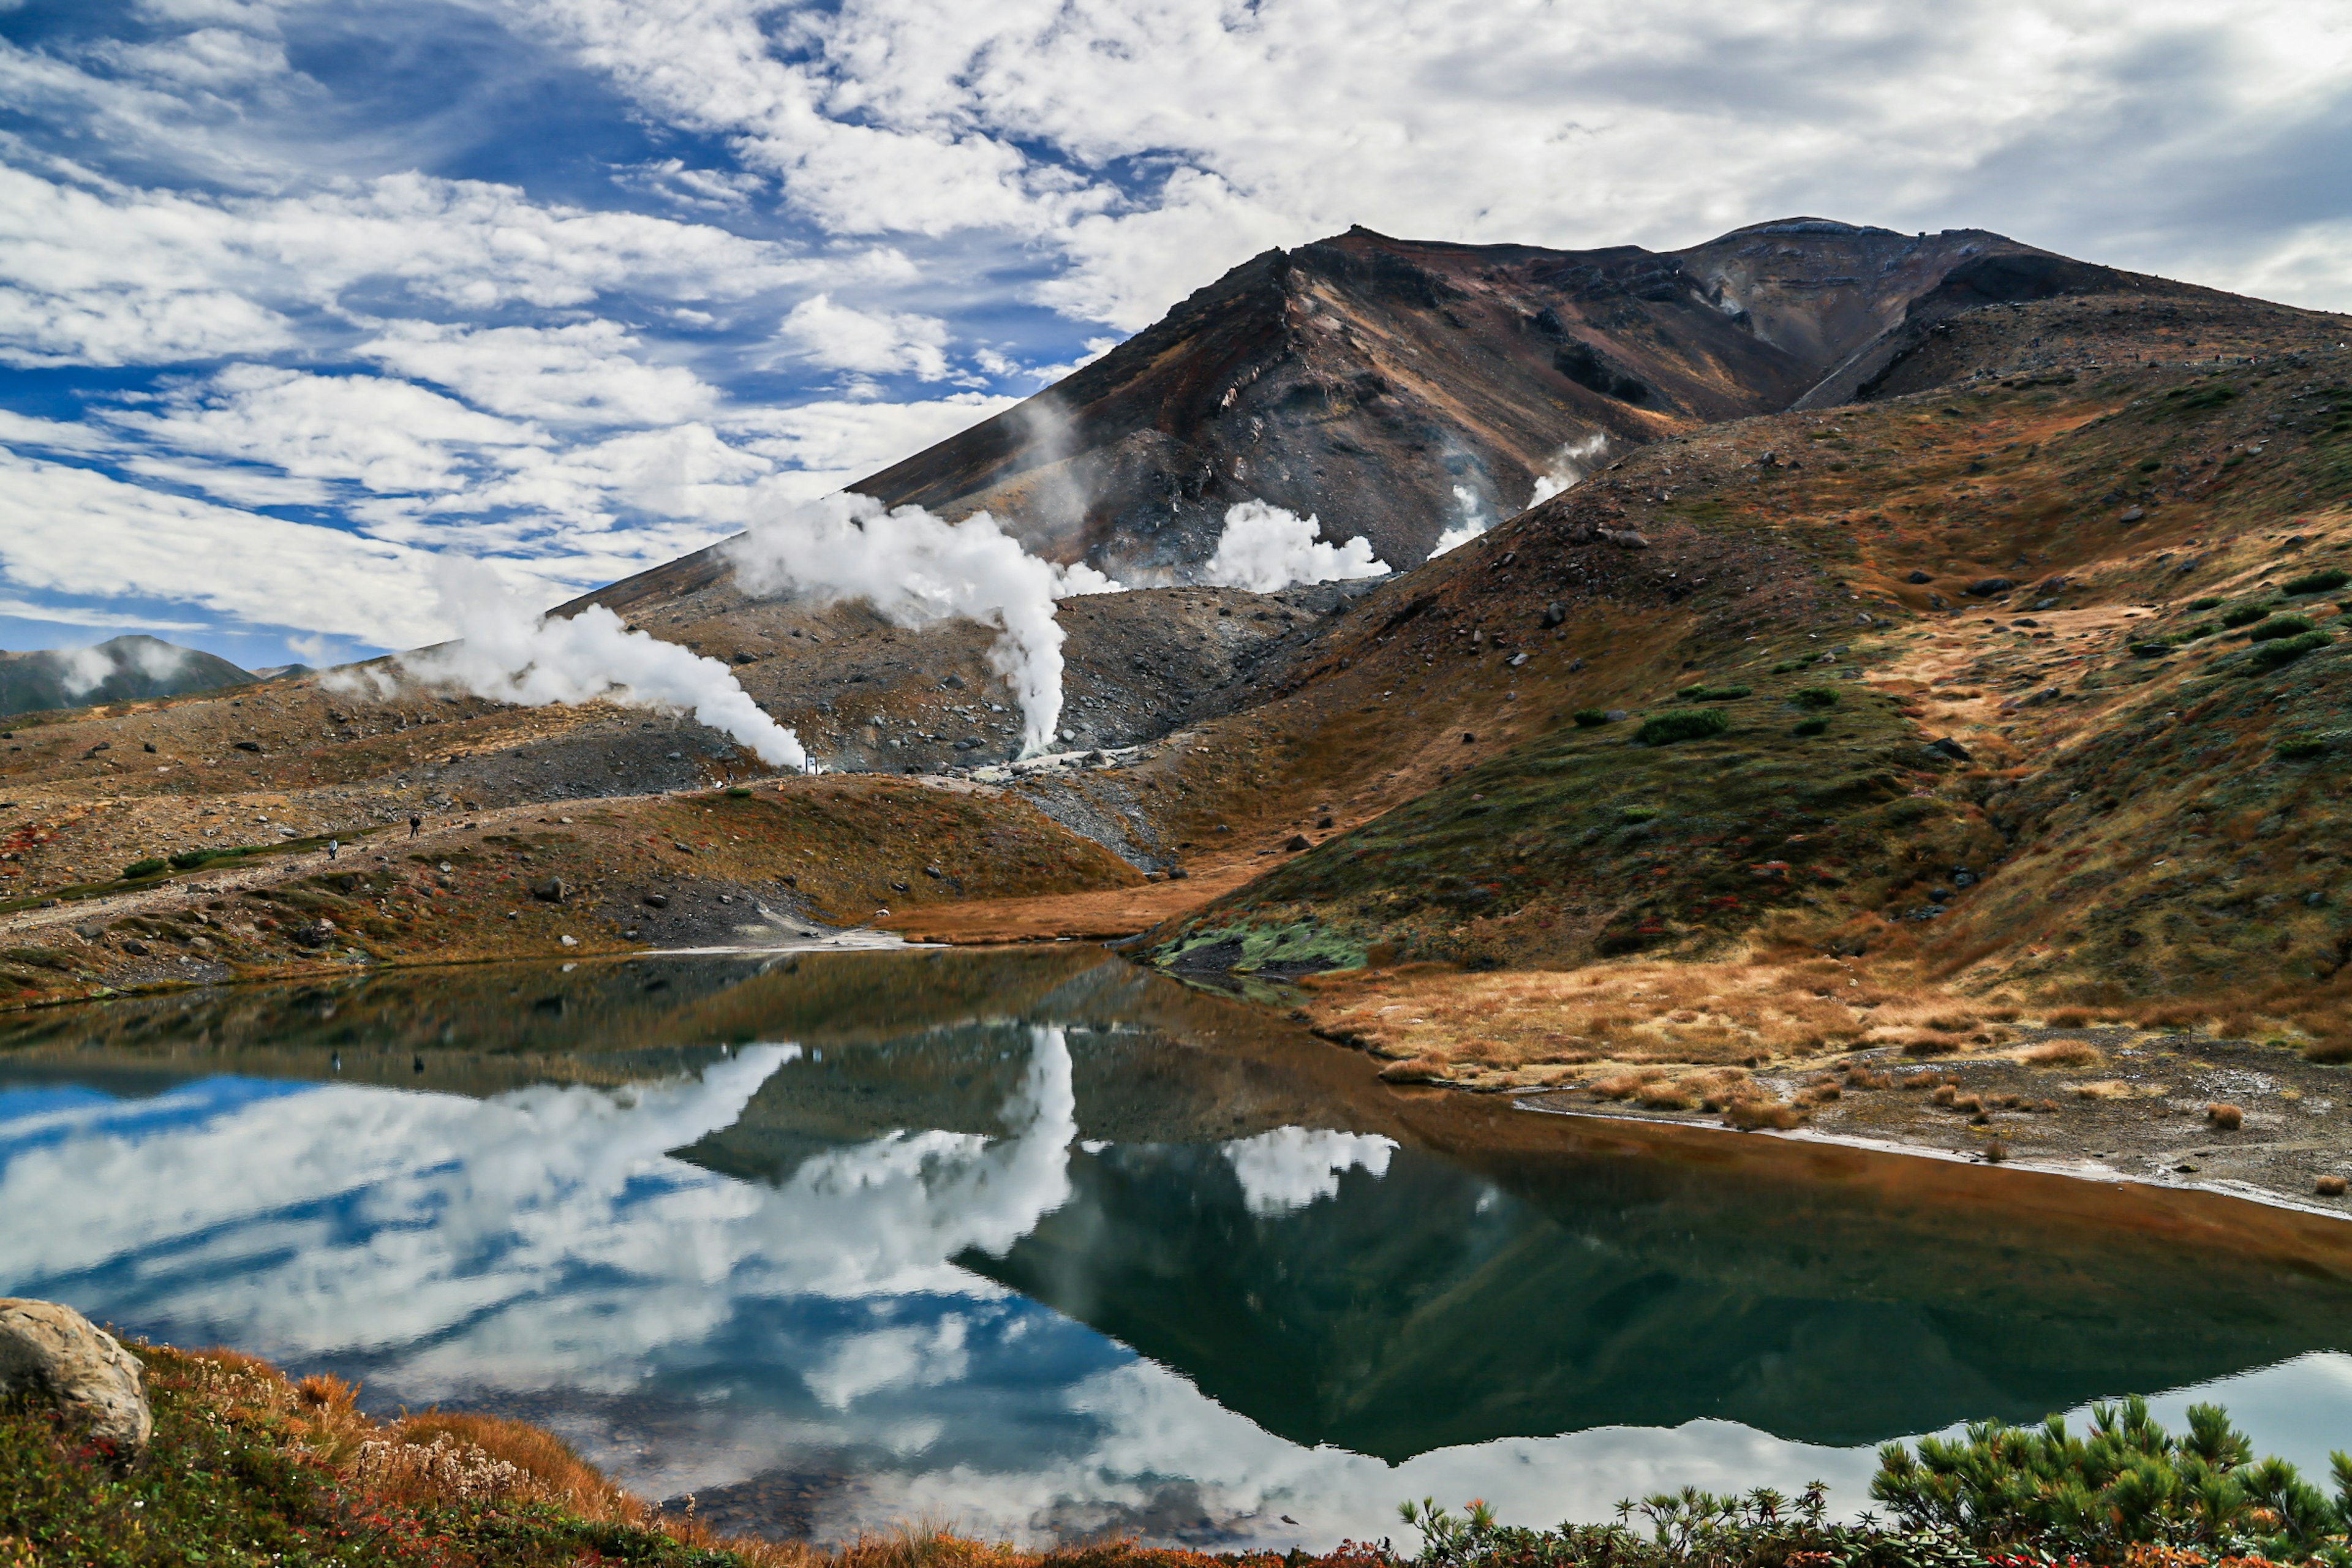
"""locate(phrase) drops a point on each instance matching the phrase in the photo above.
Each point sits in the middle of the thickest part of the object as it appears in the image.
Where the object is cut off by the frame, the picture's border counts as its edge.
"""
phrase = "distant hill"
(120, 670)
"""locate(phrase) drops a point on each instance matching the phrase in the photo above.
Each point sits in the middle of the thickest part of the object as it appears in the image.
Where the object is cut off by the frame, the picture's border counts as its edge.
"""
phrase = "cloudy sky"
(296, 294)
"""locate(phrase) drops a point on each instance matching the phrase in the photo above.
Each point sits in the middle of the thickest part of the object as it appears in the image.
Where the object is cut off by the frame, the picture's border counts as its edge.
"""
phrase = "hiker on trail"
(332, 847)
(415, 824)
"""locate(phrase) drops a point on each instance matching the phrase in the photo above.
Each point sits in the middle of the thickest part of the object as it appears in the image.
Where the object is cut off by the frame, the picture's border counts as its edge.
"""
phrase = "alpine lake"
(1034, 1242)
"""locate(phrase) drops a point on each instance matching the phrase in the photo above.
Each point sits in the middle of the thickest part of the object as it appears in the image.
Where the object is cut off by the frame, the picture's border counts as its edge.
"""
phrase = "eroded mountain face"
(1398, 388)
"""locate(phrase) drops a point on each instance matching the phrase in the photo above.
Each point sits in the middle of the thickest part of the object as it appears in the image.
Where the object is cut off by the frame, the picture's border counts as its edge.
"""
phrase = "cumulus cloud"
(1516, 121)
(100, 273)
(1263, 547)
(74, 532)
(872, 342)
(374, 431)
(584, 372)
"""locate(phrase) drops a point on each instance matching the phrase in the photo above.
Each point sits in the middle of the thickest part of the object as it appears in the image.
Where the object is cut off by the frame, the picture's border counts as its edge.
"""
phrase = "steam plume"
(1264, 548)
(509, 653)
(916, 569)
(1568, 466)
(1475, 520)
(85, 667)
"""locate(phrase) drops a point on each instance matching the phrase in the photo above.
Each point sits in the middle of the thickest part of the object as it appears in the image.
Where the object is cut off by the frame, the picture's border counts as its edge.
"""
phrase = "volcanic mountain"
(1395, 388)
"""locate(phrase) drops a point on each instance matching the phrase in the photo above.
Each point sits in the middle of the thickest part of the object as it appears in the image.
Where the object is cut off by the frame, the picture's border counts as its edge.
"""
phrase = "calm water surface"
(1038, 1242)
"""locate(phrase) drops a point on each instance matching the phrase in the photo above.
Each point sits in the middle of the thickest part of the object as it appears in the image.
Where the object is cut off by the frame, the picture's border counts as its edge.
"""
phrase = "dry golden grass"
(2062, 1054)
(2330, 1186)
(2225, 1118)
(1620, 1016)
(2104, 1089)
(2068, 1018)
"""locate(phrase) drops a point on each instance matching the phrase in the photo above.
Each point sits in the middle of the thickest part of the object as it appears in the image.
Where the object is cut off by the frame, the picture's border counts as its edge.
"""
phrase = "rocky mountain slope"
(1395, 388)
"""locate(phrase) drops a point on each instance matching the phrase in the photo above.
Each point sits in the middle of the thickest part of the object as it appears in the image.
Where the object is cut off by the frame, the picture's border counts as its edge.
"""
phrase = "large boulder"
(56, 1354)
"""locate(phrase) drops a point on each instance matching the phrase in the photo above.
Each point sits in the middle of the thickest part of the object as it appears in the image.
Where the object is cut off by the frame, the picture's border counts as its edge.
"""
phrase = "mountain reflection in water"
(1040, 1242)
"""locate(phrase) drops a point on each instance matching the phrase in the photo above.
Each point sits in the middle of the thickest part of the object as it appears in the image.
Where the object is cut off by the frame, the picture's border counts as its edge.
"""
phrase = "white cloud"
(872, 342)
(106, 274)
(1498, 120)
(212, 59)
(585, 373)
(832, 444)
(76, 615)
(72, 532)
(385, 434)
(1291, 1168)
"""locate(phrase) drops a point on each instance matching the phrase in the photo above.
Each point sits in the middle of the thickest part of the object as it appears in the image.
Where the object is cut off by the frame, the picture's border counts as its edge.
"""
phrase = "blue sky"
(296, 297)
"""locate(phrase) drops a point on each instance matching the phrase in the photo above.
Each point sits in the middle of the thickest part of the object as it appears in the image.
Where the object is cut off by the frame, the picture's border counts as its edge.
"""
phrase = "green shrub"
(2208, 398)
(1681, 724)
(2295, 748)
(149, 867)
(2271, 655)
(1814, 697)
(2318, 582)
(2279, 627)
(2150, 464)
(2126, 1482)
(1637, 813)
(740, 792)
(2192, 633)
(2198, 606)
(189, 859)
(2151, 650)
(1714, 693)
(2245, 614)
(1811, 727)
(1589, 718)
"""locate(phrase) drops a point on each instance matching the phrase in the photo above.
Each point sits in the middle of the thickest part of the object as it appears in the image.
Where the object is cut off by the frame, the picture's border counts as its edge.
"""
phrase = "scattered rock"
(135, 947)
(1919, 577)
(148, 747)
(1518, 660)
(2133, 513)
(1297, 842)
(934, 873)
(1469, 737)
(56, 1354)
(253, 746)
(1553, 614)
(1990, 587)
(1949, 747)
(315, 933)
(657, 901)
(550, 891)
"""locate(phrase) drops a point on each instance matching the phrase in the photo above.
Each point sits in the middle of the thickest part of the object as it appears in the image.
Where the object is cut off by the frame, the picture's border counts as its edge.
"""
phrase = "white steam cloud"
(1474, 520)
(916, 569)
(509, 653)
(1568, 466)
(86, 668)
(1264, 548)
